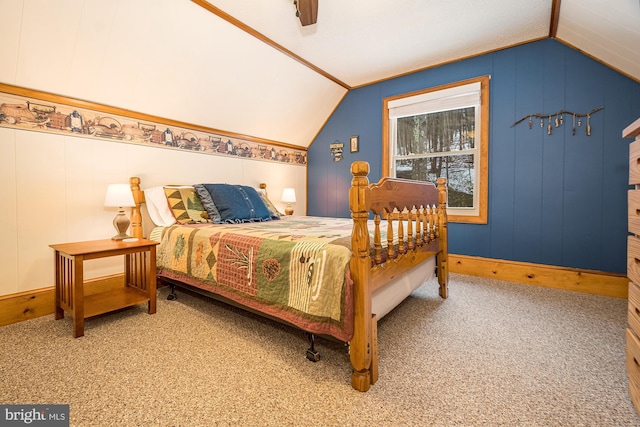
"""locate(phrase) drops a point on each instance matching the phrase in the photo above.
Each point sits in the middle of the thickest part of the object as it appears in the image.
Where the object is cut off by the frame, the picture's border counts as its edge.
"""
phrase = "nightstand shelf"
(114, 299)
(139, 279)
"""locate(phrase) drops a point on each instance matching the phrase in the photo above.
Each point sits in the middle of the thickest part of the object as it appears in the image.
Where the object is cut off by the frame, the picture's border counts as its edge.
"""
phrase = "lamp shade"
(289, 195)
(119, 195)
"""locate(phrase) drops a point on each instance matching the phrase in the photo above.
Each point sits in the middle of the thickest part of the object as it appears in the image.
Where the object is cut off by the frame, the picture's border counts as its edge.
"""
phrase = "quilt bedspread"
(295, 269)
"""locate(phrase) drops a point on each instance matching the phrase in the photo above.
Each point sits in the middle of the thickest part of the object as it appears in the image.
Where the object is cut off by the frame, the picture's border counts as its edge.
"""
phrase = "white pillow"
(158, 207)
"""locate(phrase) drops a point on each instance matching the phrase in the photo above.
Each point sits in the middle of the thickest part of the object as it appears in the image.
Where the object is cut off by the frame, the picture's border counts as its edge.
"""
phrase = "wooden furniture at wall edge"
(633, 265)
(139, 275)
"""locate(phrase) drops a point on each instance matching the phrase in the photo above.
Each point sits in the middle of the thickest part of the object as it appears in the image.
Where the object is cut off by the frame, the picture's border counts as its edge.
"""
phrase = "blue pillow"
(237, 203)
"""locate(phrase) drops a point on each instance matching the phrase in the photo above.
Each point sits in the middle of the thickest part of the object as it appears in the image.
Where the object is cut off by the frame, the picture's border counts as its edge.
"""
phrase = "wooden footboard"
(416, 218)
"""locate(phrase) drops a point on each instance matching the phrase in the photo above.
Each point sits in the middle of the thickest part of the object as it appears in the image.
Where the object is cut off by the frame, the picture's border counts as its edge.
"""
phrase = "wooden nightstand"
(139, 278)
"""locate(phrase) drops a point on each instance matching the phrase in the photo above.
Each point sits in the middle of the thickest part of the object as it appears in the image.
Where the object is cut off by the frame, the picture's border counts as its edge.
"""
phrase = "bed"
(334, 277)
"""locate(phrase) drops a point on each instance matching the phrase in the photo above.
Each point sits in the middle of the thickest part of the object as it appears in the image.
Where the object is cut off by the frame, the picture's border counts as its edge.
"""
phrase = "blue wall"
(553, 199)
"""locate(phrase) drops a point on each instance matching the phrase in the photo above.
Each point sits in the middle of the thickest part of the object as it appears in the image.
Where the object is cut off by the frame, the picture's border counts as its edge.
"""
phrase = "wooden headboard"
(136, 228)
(136, 215)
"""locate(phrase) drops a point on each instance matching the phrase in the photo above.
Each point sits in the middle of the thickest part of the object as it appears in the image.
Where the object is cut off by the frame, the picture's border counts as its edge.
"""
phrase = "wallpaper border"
(28, 109)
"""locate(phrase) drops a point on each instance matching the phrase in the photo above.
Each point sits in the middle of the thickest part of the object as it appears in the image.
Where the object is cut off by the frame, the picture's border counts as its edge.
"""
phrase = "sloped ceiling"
(360, 41)
(249, 67)
(609, 31)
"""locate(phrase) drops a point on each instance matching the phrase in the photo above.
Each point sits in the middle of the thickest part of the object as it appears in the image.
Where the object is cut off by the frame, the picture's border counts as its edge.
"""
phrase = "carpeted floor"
(492, 354)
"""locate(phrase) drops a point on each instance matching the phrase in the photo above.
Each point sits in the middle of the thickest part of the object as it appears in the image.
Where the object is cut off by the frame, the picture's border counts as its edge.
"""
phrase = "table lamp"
(288, 197)
(119, 196)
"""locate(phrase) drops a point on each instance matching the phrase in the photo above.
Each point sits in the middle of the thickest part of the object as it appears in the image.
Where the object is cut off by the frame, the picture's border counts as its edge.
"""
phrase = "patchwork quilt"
(295, 269)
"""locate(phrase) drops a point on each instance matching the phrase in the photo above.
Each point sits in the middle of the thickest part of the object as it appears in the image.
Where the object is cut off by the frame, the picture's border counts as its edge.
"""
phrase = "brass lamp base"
(288, 210)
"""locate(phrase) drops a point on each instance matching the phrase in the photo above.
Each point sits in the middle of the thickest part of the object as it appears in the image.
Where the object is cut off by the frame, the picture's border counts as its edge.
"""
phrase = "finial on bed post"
(136, 216)
(361, 348)
(443, 266)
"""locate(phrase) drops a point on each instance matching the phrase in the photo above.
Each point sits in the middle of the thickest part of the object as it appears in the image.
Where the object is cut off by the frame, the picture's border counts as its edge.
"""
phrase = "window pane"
(459, 171)
(438, 132)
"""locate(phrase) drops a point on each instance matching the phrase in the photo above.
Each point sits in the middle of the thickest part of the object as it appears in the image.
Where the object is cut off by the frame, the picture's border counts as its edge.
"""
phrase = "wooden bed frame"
(417, 206)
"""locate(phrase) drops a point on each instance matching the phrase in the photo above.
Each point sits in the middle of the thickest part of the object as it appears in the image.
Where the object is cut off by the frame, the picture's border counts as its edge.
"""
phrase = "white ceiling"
(361, 41)
(176, 59)
(608, 30)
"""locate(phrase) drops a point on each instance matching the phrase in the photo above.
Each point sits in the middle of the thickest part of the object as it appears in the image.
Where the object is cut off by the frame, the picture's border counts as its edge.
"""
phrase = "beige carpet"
(492, 354)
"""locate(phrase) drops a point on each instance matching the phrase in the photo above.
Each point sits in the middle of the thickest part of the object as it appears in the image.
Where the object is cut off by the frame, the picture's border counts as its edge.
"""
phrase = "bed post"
(136, 216)
(362, 347)
(442, 257)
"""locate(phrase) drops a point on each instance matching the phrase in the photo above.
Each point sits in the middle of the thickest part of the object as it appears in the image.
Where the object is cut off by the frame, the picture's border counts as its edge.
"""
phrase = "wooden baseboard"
(588, 281)
(31, 304)
(40, 302)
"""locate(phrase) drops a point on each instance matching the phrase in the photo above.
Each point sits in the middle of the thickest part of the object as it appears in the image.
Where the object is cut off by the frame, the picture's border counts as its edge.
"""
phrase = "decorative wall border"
(44, 112)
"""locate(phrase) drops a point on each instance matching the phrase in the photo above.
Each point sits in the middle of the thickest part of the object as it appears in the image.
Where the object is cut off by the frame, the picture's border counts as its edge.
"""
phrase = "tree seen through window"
(433, 145)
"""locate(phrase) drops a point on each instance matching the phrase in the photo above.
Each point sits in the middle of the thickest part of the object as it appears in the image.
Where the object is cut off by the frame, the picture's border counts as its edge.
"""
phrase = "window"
(442, 132)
